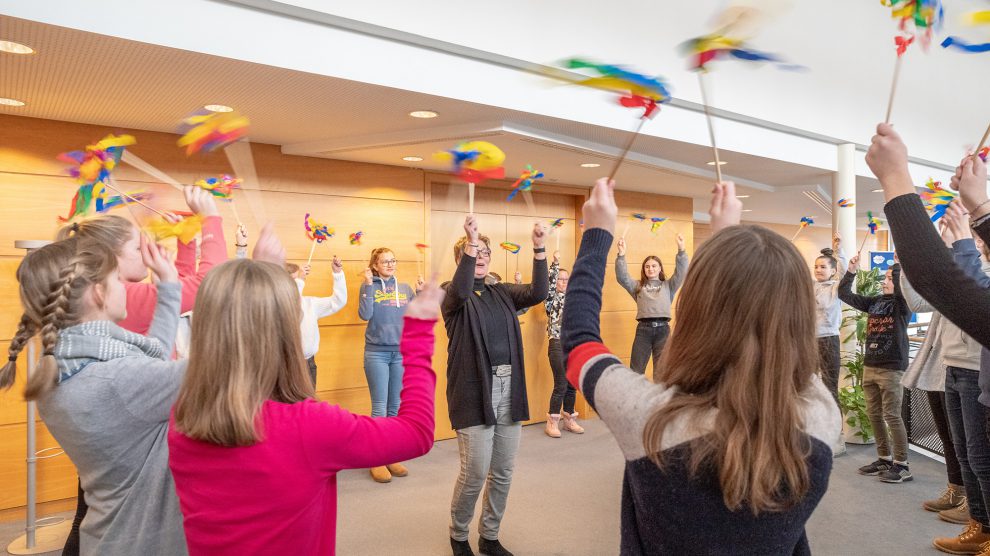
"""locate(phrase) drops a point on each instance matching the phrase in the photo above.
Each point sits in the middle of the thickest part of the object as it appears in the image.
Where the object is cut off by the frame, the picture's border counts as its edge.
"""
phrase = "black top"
(886, 327)
(469, 373)
(495, 325)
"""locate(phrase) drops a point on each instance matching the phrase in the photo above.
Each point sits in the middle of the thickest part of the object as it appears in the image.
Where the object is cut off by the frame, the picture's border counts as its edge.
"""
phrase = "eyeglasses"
(485, 252)
(389, 262)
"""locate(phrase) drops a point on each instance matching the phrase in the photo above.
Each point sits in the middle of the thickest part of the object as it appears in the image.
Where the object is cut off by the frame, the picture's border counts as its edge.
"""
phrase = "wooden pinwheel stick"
(470, 197)
(862, 245)
(311, 249)
(796, 234)
(983, 142)
(893, 90)
(711, 127)
(135, 200)
(624, 232)
(625, 151)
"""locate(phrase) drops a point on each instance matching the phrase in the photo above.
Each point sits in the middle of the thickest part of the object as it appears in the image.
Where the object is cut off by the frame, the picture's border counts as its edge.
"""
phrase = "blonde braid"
(53, 319)
(25, 330)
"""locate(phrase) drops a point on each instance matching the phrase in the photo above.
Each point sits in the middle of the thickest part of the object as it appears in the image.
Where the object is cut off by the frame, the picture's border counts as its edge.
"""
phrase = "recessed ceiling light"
(877, 191)
(590, 165)
(742, 196)
(10, 102)
(423, 114)
(412, 158)
(747, 210)
(15, 48)
(218, 108)
(720, 163)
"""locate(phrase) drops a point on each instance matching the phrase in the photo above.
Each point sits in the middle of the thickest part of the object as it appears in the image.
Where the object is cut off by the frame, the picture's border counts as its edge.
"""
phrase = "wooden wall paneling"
(56, 477)
(340, 361)
(447, 227)
(355, 400)
(13, 408)
(452, 195)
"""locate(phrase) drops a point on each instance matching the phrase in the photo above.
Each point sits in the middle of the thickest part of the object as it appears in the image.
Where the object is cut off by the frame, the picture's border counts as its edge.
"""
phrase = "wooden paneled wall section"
(394, 206)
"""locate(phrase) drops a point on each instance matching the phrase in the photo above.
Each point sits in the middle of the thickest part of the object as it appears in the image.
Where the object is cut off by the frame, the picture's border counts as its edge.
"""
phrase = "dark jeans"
(651, 335)
(563, 392)
(968, 423)
(828, 364)
(311, 363)
(936, 401)
(71, 547)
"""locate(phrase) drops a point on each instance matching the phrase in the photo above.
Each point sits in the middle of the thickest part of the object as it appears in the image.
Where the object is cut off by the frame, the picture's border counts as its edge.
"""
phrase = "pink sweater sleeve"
(142, 297)
(340, 439)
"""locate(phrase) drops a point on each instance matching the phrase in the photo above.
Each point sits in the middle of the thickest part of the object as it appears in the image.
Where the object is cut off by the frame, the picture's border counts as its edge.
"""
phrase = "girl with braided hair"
(105, 392)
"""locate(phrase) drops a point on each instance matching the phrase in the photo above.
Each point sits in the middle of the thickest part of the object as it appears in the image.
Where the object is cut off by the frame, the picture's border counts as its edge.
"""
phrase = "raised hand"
(539, 235)
(159, 261)
(888, 159)
(337, 265)
(853, 263)
(269, 247)
(200, 201)
(306, 269)
(471, 228)
(957, 222)
(621, 246)
(556, 256)
(726, 208)
(426, 305)
(517, 277)
(680, 242)
(836, 241)
(972, 186)
(419, 283)
(369, 278)
(241, 236)
(599, 210)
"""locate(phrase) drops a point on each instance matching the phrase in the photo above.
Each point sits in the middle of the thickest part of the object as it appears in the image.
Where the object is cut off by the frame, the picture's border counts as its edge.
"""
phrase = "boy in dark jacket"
(884, 365)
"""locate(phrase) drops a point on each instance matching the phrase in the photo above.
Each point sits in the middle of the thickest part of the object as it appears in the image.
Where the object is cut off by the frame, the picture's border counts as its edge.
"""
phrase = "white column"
(844, 187)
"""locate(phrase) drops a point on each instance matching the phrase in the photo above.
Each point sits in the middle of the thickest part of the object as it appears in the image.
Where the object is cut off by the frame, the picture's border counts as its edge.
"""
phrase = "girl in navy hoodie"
(383, 302)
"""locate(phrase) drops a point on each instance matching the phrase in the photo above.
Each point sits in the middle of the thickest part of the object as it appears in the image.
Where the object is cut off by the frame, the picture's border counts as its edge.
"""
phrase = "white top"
(315, 308)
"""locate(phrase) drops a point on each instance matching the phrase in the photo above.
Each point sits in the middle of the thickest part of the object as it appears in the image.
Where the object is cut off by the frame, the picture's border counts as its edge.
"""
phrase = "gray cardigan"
(654, 299)
(111, 418)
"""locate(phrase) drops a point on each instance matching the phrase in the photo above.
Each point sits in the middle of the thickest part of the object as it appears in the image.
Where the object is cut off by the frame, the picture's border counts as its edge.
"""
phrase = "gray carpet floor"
(565, 500)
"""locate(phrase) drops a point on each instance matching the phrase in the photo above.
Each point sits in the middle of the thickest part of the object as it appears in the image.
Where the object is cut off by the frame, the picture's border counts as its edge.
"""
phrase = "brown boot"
(985, 547)
(553, 430)
(959, 514)
(970, 541)
(952, 497)
(397, 469)
(381, 474)
(570, 422)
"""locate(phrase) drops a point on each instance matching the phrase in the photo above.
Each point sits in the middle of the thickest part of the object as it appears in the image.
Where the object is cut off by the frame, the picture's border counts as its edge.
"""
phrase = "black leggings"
(72, 542)
(563, 392)
(936, 401)
(828, 364)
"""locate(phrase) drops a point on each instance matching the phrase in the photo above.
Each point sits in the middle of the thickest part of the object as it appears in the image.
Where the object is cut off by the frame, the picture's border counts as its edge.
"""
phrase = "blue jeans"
(968, 424)
(384, 372)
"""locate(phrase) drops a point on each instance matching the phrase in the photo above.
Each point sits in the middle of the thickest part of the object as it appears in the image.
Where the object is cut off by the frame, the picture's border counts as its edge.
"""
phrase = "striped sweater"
(670, 511)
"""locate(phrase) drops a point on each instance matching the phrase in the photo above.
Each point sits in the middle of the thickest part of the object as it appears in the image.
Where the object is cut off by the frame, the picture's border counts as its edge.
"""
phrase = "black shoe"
(491, 548)
(896, 474)
(461, 548)
(876, 467)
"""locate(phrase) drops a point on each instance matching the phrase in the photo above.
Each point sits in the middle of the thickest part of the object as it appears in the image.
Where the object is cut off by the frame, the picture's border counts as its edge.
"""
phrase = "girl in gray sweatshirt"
(105, 393)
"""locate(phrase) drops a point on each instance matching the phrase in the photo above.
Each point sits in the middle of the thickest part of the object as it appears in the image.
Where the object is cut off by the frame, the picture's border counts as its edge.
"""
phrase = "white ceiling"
(92, 78)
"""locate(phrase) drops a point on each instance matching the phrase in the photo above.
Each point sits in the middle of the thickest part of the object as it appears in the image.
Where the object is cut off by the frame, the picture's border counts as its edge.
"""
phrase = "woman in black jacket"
(486, 381)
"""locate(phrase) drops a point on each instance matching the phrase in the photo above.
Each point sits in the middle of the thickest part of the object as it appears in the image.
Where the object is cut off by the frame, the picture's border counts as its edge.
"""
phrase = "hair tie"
(12, 358)
(47, 353)
(75, 227)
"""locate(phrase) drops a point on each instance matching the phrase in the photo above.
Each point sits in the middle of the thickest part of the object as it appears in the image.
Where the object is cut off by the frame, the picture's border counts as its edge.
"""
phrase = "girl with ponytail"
(829, 268)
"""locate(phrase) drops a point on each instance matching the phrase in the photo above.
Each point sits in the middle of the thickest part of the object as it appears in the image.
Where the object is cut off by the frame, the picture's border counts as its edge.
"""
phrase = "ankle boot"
(461, 548)
(491, 548)
(570, 422)
(381, 474)
(553, 430)
(397, 469)
(952, 497)
(970, 541)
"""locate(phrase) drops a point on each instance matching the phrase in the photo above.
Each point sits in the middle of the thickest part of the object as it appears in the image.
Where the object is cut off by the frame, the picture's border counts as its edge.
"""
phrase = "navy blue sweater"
(670, 511)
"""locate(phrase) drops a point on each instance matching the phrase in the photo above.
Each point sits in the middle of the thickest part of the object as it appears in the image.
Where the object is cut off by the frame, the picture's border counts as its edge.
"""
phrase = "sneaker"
(461, 548)
(952, 497)
(970, 541)
(491, 548)
(958, 515)
(876, 467)
(896, 474)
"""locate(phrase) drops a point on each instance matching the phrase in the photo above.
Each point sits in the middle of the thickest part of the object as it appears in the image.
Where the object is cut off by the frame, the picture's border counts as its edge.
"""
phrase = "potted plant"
(852, 400)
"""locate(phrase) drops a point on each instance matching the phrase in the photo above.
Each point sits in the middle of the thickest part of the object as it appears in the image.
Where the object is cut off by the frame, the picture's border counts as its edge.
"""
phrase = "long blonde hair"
(744, 344)
(53, 281)
(246, 348)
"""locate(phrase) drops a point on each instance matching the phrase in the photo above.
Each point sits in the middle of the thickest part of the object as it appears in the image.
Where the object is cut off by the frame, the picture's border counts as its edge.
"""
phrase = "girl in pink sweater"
(122, 237)
(253, 454)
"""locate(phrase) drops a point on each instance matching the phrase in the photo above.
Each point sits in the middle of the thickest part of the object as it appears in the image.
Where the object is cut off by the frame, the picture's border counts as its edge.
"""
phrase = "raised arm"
(854, 300)
(342, 440)
(460, 287)
(931, 270)
(326, 306)
(622, 270)
(681, 263)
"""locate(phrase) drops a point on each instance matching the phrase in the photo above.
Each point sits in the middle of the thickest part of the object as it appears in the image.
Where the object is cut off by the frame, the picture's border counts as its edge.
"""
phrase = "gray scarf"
(99, 340)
